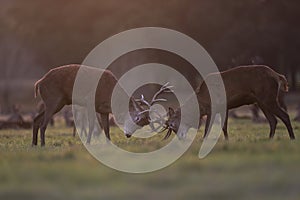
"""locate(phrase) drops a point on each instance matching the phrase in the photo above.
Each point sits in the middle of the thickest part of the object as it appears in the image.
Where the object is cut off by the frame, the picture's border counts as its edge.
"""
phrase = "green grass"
(249, 166)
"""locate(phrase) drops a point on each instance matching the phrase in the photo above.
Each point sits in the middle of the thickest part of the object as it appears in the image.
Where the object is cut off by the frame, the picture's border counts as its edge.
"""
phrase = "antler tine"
(143, 100)
(165, 88)
(158, 100)
(168, 89)
(144, 111)
(168, 85)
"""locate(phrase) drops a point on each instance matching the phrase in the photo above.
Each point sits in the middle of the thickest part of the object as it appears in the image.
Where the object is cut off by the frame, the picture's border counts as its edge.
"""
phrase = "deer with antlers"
(244, 85)
(56, 91)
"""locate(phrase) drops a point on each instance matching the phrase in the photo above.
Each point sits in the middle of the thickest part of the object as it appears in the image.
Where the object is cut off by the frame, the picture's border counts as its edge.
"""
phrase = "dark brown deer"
(244, 86)
(56, 90)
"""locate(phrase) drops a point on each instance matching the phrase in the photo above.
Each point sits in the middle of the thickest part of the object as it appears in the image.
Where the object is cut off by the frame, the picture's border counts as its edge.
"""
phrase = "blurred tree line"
(37, 35)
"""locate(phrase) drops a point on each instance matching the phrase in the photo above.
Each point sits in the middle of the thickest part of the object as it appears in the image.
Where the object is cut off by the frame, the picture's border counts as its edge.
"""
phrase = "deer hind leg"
(271, 119)
(271, 102)
(98, 127)
(36, 126)
(281, 100)
(91, 124)
(282, 114)
(50, 110)
(274, 108)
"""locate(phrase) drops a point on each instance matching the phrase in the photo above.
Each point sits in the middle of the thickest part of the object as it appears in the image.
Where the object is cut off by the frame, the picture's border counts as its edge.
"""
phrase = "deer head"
(140, 111)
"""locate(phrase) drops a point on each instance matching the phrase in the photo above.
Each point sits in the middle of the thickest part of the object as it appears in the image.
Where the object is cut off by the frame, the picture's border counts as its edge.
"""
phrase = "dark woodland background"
(37, 35)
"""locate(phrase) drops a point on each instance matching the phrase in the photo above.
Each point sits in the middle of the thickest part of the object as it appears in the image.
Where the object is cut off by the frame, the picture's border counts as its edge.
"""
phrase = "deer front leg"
(224, 120)
(207, 123)
(105, 124)
(91, 124)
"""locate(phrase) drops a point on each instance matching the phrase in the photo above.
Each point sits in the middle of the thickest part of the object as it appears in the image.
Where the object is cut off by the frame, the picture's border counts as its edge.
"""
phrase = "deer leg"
(50, 110)
(36, 125)
(82, 122)
(105, 124)
(225, 125)
(281, 114)
(74, 130)
(281, 100)
(208, 126)
(271, 119)
(208, 119)
(83, 130)
(91, 123)
(98, 125)
(74, 122)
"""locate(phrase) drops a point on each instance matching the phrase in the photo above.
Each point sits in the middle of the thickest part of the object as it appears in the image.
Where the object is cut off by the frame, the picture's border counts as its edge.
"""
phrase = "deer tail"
(36, 88)
(284, 85)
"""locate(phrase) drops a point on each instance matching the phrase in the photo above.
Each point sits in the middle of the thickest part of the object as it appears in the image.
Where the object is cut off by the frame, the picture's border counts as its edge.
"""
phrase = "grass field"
(249, 166)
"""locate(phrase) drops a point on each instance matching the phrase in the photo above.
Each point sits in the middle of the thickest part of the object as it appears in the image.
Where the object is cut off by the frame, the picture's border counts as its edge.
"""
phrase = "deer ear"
(135, 105)
(171, 111)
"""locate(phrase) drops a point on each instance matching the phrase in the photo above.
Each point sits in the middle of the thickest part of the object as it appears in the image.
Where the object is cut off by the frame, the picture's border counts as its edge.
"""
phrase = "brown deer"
(244, 85)
(56, 91)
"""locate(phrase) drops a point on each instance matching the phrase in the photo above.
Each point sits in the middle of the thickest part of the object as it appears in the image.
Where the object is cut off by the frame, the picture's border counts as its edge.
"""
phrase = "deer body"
(56, 91)
(243, 86)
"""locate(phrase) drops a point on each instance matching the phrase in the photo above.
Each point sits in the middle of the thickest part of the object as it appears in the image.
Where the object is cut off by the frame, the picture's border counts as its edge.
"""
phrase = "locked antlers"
(166, 88)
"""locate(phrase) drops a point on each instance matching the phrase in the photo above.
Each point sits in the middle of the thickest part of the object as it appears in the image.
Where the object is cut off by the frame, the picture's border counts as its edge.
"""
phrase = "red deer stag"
(244, 86)
(56, 90)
